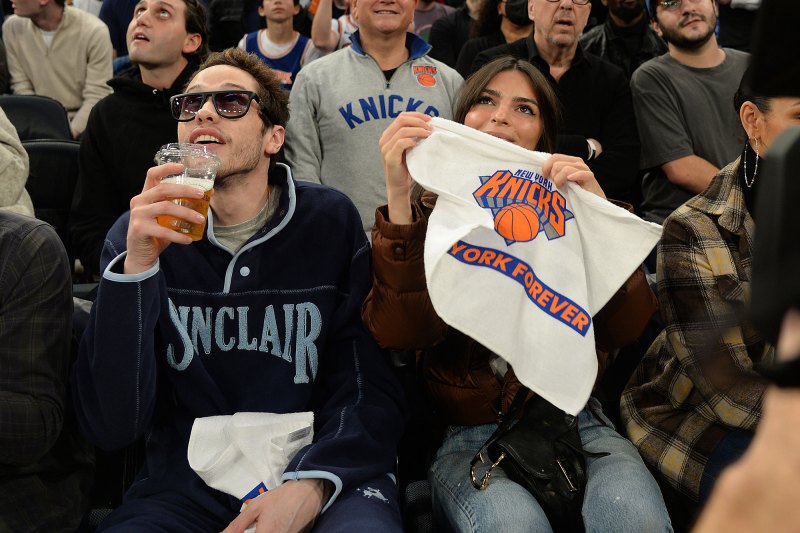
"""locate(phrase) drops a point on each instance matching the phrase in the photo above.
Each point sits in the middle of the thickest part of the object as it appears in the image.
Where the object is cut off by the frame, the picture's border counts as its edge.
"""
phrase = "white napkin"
(518, 265)
(246, 454)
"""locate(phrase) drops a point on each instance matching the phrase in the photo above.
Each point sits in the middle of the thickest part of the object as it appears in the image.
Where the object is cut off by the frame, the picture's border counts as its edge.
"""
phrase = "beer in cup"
(200, 168)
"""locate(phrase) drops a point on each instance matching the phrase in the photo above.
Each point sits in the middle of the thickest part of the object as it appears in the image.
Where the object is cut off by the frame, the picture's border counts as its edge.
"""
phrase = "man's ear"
(273, 140)
(531, 10)
(191, 43)
(296, 10)
(656, 28)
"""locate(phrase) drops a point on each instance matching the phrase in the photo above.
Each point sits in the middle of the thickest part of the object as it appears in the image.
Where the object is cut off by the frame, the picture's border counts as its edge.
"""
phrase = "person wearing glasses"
(598, 123)
(260, 315)
(167, 40)
(682, 100)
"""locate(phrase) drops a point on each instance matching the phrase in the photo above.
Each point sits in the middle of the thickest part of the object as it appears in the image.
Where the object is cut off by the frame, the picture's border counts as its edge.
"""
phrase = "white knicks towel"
(517, 264)
(245, 454)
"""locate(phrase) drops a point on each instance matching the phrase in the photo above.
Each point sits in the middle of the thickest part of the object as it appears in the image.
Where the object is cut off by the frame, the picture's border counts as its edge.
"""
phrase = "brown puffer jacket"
(399, 313)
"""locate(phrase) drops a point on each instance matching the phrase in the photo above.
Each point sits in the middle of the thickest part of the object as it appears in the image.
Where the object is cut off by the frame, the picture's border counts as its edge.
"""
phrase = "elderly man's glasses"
(229, 104)
(674, 5)
(576, 2)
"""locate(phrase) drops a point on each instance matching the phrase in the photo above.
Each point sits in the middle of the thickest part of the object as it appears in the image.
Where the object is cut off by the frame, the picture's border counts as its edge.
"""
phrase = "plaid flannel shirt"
(45, 467)
(696, 381)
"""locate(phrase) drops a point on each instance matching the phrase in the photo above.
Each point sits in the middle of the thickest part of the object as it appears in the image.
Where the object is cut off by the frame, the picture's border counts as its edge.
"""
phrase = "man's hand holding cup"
(173, 205)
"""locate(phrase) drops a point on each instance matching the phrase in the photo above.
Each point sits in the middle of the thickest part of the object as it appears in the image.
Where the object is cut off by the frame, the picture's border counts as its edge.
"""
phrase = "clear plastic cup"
(200, 169)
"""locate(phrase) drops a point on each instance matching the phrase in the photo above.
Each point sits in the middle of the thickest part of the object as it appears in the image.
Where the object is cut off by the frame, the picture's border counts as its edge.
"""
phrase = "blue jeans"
(621, 494)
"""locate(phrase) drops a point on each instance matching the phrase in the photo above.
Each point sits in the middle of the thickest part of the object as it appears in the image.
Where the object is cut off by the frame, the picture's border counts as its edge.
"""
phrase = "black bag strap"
(505, 425)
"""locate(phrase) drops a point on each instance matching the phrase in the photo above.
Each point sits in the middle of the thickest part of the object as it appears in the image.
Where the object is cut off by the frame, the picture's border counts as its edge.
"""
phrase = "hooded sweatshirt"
(124, 132)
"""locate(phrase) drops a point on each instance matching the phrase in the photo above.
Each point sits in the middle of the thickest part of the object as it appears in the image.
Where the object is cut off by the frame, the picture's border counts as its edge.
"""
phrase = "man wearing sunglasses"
(598, 124)
(167, 40)
(688, 126)
(260, 315)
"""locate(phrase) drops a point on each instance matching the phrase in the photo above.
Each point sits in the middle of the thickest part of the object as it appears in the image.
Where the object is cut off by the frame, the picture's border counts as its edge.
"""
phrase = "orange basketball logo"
(426, 80)
(517, 223)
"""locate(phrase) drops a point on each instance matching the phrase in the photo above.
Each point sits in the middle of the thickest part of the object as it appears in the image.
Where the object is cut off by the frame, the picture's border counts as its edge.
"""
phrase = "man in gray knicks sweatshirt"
(341, 103)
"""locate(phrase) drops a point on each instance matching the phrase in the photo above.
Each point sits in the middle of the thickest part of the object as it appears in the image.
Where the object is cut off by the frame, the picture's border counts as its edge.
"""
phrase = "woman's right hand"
(402, 134)
(146, 238)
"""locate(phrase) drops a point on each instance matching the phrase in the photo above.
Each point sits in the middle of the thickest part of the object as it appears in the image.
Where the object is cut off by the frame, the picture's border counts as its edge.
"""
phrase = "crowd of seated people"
(311, 108)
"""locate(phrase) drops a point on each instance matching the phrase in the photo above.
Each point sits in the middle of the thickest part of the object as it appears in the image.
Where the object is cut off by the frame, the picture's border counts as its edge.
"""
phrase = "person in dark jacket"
(261, 315)
(599, 125)
(626, 38)
(449, 33)
(499, 22)
(472, 387)
(166, 41)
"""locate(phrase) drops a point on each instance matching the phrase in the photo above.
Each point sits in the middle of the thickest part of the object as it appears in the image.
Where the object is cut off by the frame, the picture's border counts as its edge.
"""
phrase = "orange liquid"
(195, 231)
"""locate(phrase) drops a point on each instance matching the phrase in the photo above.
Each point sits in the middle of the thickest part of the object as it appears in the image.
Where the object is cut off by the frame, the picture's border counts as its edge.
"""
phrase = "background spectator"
(449, 33)
(695, 400)
(499, 22)
(426, 13)
(331, 136)
(599, 126)
(683, 107)
(167, 40)
(626, 38)
(331, 34)
(61, 52)
(280, 46)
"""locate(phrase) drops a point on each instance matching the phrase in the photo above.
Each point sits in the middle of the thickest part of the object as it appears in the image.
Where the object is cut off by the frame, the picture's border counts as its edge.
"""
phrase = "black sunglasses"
(229, 104)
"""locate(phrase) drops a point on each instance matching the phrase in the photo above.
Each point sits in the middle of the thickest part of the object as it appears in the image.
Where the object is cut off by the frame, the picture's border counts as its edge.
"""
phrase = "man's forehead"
(174, 4)
(222, 77)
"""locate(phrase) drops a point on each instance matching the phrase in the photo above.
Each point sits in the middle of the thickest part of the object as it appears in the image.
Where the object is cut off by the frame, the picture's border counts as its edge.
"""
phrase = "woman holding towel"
(471, 386)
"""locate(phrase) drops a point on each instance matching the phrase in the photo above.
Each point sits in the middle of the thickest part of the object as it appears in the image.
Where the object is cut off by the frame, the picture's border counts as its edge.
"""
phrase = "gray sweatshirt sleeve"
(303, 149)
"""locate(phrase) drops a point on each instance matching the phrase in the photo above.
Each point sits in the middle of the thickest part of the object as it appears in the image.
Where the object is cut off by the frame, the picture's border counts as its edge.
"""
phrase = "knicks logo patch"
(426, 75)
(257, 491)
(523, 204)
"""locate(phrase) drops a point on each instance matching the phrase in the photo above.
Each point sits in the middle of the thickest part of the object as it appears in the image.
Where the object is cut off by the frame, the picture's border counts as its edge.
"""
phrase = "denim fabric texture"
(621, 494)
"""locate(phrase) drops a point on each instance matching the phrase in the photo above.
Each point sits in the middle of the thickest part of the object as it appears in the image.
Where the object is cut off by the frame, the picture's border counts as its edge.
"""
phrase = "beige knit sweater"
(73, 70)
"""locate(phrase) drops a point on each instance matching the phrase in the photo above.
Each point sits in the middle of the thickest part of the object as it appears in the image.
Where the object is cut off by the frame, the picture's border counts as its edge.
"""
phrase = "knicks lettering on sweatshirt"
(381, 107)
(207, 329)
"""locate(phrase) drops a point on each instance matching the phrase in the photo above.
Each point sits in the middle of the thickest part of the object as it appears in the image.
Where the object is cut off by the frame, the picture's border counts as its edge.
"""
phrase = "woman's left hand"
(560, 168)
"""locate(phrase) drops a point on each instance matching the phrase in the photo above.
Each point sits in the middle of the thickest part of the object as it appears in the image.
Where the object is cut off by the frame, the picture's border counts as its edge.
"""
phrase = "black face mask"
(517, 12)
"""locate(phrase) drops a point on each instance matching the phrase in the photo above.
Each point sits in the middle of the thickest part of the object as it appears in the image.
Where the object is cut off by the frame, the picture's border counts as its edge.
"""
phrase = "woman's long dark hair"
(549, 107)
(549, 111)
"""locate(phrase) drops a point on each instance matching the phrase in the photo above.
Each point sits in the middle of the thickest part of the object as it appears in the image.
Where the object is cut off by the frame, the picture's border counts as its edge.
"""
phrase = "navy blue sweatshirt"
(274, 327)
